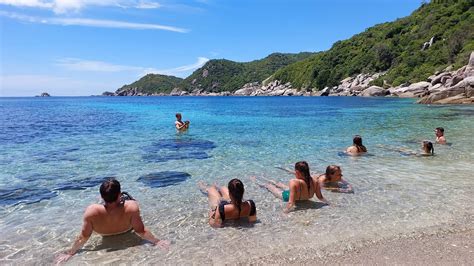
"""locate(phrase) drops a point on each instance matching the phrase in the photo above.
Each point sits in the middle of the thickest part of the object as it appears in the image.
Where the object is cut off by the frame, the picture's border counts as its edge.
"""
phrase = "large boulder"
(374, 91)
(176, 92)
(437, 79)
(462, 92)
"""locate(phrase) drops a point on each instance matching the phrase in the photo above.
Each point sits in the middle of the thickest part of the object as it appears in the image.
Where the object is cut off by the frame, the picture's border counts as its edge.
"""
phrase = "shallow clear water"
(54, 152)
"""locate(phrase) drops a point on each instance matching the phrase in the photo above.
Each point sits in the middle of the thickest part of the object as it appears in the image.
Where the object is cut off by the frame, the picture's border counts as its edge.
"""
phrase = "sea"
(56, 151)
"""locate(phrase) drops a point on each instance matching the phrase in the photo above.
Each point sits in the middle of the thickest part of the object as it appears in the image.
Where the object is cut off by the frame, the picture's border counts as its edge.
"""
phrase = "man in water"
(440, 139)
(116, 216)
(179, 124)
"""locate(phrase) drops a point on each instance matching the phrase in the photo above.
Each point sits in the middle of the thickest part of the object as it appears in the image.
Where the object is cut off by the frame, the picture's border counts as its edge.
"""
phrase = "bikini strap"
(253, 209)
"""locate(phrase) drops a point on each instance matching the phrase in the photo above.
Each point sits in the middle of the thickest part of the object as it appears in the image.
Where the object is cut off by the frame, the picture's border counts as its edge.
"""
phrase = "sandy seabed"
(451, 246)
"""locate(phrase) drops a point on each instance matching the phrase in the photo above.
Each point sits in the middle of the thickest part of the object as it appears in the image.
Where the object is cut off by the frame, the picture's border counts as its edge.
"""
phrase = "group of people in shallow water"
(120, 213)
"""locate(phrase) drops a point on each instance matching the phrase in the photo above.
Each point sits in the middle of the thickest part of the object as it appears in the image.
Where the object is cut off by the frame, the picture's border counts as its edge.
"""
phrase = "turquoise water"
(54, 152)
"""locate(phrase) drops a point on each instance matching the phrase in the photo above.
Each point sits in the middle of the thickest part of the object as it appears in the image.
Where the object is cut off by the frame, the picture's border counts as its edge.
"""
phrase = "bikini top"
(253, 209)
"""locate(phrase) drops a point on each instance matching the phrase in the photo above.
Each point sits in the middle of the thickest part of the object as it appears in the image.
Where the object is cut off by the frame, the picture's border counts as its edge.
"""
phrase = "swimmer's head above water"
(333, 173)
(110, 190)
(427, 147)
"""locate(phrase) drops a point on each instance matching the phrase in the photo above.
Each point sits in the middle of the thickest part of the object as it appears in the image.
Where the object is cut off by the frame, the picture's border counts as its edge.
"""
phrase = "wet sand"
(442, 248)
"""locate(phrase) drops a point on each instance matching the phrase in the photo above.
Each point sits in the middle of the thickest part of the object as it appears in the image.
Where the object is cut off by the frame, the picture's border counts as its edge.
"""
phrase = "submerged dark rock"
(18, 195)
(163, 179)
(177, 149)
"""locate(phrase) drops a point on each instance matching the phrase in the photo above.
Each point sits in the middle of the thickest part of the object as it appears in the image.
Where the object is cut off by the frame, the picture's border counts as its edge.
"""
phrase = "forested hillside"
(396, 47)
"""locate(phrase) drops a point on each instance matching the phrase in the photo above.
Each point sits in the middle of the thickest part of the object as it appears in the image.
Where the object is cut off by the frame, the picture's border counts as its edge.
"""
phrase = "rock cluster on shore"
(447, 87)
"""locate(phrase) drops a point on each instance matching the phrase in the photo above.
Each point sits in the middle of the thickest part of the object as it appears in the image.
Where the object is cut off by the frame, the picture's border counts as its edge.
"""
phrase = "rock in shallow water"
(177, 149)
(163, 179)
(17, 195)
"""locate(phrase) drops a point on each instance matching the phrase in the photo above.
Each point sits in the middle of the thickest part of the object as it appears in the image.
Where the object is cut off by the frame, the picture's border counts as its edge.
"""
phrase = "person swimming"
(302, 187)
(357, 147)
(332, 180)
(119, 214)
(426, 147)
(439, 132)
(226, 203)
(179, 124)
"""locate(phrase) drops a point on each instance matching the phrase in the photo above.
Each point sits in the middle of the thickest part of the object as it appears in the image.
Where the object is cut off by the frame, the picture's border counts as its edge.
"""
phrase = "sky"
(86, 47)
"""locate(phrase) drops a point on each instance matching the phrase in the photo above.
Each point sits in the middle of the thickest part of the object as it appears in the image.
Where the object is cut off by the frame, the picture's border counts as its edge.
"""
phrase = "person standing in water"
(179, 124)
(357, 147)
(302, 187)
(116, 216)
(439, 132)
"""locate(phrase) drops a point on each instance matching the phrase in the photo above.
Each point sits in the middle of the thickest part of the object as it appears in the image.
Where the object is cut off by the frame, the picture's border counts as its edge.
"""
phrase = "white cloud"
(91, 23)
(182, 69)
(148, 5)
(65, 6)
(75, 64)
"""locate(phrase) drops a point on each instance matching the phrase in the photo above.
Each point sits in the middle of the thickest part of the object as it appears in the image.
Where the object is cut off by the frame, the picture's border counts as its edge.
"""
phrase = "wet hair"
(236, 190)
(110, 190)
(358, 143)
(331, 169)
(440, 129)
(178, 115)
(428, 146)
(303, 168)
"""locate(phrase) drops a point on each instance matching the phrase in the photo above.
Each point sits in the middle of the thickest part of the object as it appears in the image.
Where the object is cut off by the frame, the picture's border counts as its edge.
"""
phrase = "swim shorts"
(285, 195)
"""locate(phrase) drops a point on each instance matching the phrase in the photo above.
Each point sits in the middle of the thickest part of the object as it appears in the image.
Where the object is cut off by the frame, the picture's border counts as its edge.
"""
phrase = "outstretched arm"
(80, 240)
(143, 232)
(347, 189)
(317, 191)
(292, 200)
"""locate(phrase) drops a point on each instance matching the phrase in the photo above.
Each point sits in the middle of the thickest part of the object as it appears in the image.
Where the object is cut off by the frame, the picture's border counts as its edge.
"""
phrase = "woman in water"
(332, 180)
(226, 203)
(357, 148)
(426, 147)
(302, 187)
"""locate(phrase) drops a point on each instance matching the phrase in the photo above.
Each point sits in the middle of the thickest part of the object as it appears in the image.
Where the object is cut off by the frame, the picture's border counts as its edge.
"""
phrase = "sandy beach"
(442, 247)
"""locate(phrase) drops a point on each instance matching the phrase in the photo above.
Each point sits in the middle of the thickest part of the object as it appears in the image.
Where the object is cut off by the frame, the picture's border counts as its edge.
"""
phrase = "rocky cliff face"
(451, 87)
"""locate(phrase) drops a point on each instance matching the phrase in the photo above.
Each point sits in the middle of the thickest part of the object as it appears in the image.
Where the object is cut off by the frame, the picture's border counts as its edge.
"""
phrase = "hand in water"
(63, 257)
(163, 244)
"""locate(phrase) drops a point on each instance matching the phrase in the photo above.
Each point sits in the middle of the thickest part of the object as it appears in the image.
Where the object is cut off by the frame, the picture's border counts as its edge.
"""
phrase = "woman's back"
(229, 211)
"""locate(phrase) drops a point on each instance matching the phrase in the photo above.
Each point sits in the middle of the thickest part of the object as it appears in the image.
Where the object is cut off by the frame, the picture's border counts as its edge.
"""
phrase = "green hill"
(154, 83)
(224, 75)
(395, 47)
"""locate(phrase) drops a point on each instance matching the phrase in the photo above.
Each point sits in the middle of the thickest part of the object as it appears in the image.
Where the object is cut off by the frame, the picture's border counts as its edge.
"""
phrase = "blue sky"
(86, 47)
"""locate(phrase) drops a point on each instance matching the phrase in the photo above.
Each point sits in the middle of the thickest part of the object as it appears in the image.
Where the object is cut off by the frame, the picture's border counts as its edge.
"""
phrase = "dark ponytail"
(358, 143)
(428, 146)
(303, 168)
(236, 190)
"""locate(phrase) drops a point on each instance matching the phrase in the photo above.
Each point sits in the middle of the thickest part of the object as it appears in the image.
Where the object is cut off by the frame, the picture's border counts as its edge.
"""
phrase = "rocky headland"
(446, 87)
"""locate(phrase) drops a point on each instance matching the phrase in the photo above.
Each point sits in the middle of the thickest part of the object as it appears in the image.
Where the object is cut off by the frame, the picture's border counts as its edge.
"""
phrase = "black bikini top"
(253, 209)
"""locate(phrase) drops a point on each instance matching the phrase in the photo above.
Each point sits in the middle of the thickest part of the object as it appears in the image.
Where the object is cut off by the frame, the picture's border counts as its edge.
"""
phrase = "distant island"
(422, 55)
(44, 94)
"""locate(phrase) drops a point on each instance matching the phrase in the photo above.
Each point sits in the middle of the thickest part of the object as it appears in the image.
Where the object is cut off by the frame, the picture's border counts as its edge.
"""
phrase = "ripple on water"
(163, 179)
